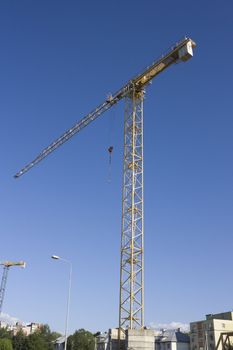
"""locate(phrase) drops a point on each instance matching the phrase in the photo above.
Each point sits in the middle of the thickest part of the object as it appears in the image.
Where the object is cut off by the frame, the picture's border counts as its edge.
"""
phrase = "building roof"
(173, 336)
(60, 340)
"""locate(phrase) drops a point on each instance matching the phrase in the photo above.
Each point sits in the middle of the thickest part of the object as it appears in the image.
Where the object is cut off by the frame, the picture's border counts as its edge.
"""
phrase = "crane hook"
(110, 149)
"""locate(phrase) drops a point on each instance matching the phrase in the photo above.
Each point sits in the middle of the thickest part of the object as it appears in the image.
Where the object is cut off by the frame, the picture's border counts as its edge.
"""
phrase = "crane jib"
(181, 51)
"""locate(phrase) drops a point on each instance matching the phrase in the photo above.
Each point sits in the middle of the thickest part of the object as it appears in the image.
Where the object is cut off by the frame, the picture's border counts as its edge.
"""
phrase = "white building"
(59, 344)
(109, 340)
(31, 328)
(101, 341)
(172, 340)
(26, 329)
(4, 324)
(205, 334)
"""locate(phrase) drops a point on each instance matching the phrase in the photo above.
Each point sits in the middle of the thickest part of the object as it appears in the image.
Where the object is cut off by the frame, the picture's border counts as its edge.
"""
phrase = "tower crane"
(131, 304)
(6, 266)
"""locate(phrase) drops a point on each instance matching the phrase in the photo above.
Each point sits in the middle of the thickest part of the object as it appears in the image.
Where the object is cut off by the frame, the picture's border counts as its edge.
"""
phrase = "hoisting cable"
(111, 130)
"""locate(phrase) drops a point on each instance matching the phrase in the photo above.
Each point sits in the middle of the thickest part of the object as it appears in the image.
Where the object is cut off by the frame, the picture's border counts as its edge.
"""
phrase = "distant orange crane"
(6, 266)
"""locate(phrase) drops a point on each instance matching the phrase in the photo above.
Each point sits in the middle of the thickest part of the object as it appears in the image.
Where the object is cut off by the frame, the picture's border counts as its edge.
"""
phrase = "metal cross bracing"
(225, 341)
(3, 286)
(6, 266)
(179, 52)
(131, 308)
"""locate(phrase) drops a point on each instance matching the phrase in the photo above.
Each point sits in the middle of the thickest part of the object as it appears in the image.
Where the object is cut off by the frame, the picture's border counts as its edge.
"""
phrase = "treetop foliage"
(5, 344)
(81, 340)
(44, 339)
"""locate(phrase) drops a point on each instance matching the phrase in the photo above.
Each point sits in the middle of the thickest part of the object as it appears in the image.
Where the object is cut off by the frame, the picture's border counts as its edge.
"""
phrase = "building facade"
(205, 334)
(26, 329)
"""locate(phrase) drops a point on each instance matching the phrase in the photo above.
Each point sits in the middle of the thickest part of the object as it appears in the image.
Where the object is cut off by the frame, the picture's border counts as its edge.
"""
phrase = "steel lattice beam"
(3, 286)
(6, 266)
(131, 313)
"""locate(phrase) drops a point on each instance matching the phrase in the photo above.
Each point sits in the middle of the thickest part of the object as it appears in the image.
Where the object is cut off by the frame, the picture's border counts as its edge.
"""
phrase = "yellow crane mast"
(131, 306)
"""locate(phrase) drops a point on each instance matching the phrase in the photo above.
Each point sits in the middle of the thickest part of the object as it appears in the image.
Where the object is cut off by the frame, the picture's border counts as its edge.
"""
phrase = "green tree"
(5, 333)
(48, 336)
(41, 339)
(54, 335)
(81, 340)
(5, 344)
(19, 341)
(35, 342)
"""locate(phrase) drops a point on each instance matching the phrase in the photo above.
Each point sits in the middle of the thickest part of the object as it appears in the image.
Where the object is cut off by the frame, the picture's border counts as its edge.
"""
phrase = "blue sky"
(59, 59)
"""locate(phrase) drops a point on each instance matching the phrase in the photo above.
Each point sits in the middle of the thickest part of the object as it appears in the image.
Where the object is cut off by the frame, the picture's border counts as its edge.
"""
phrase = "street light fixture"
(56, 257)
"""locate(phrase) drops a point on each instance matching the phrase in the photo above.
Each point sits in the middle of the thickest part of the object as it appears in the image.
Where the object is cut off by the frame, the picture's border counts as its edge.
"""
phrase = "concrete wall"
(172, 346)
(183, 346)
(165, 346)
(140, 339)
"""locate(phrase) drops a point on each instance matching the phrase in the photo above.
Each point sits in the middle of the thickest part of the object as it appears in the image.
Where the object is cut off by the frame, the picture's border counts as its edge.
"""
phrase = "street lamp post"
(56, 257)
